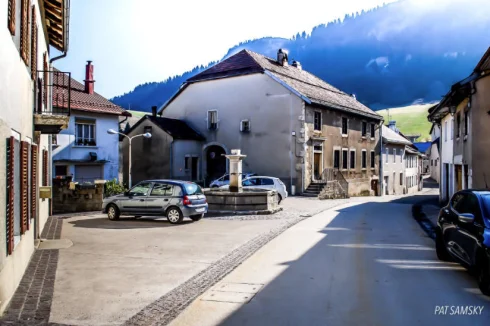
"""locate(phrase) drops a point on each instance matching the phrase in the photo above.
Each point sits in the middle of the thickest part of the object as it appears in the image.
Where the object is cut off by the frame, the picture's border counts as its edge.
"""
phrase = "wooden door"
(316, 165)
(459, 177)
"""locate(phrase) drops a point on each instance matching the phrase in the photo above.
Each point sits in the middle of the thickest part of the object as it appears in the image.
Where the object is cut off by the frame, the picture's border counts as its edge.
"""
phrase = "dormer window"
(245, 126)
(213, 120)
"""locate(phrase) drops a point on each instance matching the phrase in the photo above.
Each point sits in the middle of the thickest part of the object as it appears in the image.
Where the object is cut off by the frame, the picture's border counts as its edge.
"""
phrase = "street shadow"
(126, 223)
(430, 183)
(370, 266)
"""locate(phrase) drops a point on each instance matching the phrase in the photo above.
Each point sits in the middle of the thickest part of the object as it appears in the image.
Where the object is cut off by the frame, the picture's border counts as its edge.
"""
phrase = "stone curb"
(266, 212)
(422, 219)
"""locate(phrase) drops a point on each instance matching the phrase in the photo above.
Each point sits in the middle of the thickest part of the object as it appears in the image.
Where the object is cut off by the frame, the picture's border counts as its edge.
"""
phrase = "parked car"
(463, 233)
(170, 198)
(268, 183)
(225, 180)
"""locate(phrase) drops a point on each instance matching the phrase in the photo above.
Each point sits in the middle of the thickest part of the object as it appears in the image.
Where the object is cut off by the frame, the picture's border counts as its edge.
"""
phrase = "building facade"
(84, 151)
(290, 124)
(434, 153)
(464, 117)
(27, 121)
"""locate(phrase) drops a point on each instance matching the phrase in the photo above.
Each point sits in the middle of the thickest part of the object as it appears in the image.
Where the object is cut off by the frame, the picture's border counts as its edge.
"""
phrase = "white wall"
(107, 147)
(16, 113)
(446, 157)
(435, 171)
(273, 113)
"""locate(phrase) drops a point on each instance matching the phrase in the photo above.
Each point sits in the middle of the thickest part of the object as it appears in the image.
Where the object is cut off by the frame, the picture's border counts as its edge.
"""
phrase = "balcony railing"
(53, 91)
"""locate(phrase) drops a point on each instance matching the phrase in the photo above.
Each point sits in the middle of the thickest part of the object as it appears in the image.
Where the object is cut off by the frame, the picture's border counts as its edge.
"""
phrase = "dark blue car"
(463, 233)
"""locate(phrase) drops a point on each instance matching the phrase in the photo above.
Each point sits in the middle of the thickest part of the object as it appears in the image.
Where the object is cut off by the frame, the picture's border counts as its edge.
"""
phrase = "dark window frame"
(364, 159)
(345, 126)
(336, 159)
(317, 121)
(352, 162)
(363, 128)
(345, 162)
(373, 130)
(373, 159)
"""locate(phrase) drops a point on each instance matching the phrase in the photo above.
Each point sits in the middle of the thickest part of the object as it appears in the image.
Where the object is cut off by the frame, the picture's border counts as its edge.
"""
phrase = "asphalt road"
(358, 264)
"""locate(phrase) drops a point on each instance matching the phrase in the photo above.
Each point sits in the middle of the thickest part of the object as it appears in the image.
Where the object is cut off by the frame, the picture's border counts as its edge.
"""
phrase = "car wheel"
(484, 278)
(113, 212)
(279, 199)
(174, 215)
(441, 250)
(196, 218)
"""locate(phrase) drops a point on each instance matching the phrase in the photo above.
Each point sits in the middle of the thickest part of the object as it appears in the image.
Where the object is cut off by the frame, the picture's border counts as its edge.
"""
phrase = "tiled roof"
(391, 136)
(81, 100)
(178, 129)
(308, 85)
(484, 63)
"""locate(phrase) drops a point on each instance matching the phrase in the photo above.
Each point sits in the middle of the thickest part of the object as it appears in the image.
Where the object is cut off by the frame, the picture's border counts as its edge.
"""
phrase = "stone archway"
(215, 162)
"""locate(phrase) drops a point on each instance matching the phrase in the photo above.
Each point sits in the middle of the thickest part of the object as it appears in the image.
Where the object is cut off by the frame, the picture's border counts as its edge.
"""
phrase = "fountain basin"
(245, 202)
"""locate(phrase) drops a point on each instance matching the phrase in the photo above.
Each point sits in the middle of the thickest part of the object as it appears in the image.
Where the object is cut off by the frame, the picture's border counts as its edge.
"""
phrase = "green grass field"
(138, 114)
(411, 120)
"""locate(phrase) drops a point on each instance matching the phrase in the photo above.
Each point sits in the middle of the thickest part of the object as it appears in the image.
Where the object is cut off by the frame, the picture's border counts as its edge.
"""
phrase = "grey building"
(173, 151)
(289, 123)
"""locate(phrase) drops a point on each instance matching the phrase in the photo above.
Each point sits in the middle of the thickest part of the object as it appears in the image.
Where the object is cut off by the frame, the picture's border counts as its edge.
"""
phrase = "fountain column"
(235, 163)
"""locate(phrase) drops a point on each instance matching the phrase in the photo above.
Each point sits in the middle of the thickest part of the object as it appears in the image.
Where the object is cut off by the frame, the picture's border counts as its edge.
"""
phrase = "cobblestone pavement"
(31, 303)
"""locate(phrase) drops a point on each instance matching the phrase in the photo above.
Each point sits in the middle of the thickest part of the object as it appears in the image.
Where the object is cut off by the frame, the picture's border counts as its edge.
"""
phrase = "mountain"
(406, 52)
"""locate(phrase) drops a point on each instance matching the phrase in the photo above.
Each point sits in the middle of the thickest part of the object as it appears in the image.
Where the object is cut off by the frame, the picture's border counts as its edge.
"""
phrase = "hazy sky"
(136, 41)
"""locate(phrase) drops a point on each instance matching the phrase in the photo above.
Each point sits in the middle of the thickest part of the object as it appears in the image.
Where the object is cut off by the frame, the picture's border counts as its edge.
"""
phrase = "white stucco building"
(84, 150)
(28, 35)
(434, 153)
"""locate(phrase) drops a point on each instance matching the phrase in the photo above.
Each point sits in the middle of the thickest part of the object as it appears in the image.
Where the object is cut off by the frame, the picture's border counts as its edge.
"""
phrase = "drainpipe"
(58, 57)
(293, 192)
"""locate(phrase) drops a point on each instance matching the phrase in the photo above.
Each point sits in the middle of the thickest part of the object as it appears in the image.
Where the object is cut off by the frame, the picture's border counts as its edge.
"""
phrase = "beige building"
(289, 123)
(401, 164)
(464, 116)
(28, 32)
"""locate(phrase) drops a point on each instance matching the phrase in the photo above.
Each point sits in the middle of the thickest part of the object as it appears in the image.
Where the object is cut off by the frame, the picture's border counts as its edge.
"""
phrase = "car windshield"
(193, 189)
(486, 206)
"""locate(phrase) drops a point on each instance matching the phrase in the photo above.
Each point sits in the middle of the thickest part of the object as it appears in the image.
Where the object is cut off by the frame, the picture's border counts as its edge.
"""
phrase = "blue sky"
(136, 41)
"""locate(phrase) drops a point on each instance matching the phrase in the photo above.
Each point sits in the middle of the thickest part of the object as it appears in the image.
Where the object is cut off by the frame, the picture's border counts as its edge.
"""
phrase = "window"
(11, 16)
(435, 162)
(192, 189)
(266, 182)
(401, 179)
(213, 120)
(387, 154)
(458, 124)
(85, 132)
(54, 139)
(373, 128)
(162, 189)
(318, 121)
(24, 31)
(364, 128)
(345, 155)
(431, 162)
(364, 158)
(452, 129)
(318, 148)
(344, 126)
(445, 131)
(61, 170)
(394, 155)
(401, 155)
(466, 122)
(245, 126)
(373, 156)
(141, 189)
(352, 159)
(336, 159)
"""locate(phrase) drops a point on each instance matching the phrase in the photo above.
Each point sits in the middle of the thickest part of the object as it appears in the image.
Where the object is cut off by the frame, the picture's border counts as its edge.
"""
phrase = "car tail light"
(187, 201)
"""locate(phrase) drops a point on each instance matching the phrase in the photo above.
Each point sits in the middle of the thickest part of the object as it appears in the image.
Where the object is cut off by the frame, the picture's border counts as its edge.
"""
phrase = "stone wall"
(81, 199)
(360, 187)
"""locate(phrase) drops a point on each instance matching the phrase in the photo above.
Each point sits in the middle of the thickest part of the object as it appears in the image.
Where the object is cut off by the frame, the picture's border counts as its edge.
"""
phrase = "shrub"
(113, 187)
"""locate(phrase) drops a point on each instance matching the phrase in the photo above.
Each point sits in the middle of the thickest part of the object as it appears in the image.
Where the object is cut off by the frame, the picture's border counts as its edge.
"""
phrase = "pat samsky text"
(458, 310)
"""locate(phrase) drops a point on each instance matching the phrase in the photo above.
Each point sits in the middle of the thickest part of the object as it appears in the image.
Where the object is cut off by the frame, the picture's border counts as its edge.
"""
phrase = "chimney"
(392, 125)
(89, 78)
(354, 96)
(282, 57)
(154, 111)
(297, 64)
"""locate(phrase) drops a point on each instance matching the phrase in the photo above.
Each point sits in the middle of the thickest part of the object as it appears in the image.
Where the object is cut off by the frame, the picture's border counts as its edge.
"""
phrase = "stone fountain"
(239, 200)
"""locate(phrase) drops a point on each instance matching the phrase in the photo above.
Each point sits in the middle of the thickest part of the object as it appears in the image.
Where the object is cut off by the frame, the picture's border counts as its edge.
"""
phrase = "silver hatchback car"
(171, 198)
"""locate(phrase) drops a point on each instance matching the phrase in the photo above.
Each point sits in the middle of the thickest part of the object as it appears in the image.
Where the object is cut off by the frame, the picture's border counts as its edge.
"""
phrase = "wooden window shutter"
(33, 44)
(10, 194)
(45, 79)
(11, 17)
(34, 181)
(24, 186)
(45, 168)
(24, 31)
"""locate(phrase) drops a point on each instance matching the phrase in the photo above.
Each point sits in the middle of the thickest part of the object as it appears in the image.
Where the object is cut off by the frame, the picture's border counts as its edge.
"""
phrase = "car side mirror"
(126, 193)
(466, 218)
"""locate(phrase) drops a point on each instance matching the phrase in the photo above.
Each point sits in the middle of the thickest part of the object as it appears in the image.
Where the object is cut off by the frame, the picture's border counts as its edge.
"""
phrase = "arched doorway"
(215, 162)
